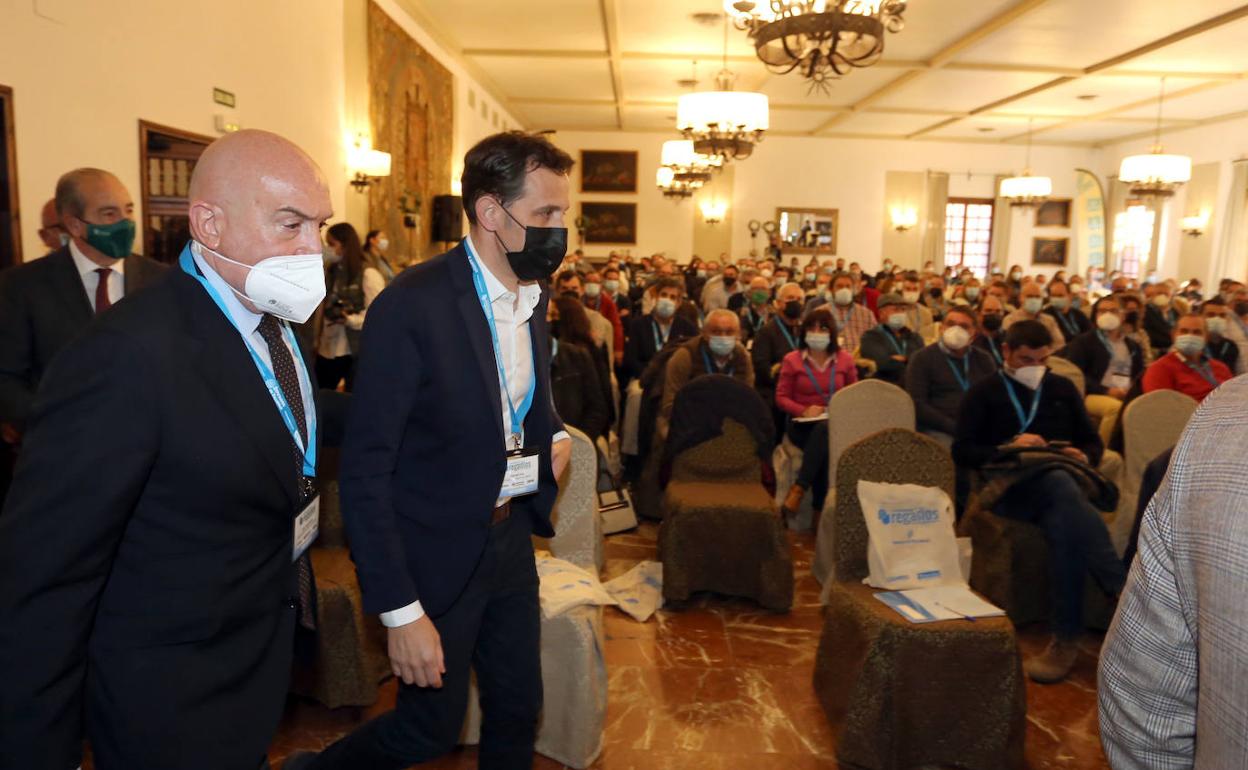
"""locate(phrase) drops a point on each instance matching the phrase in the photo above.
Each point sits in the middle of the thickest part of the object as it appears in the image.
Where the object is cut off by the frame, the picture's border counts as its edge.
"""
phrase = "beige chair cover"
(1064, 368)
(578, 527)
(1151, 424)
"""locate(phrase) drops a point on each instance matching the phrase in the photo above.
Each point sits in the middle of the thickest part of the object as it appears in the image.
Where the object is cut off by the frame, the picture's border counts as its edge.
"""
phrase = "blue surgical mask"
(818, 341)
(1061, 303)
(896, 321)
(1033, 305)
(723, 346)
(1189, 344)
(665, 308)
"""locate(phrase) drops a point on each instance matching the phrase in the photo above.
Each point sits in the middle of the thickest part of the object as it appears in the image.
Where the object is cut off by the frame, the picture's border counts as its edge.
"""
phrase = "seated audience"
(1031, 308)
(1111, 362)
(808, 379)
(569, 322)
(1027, 407)
(718, 350)
(1160, 315)
(595, 299)
(1237, 328)
(648, 334)
(939, 375)
(890, 343)
(575, 389)
(1061, 307)
(776, 339)
(1217, 322)
(613, 284)
(852, 319)
(919, 318)
(934, 298)
(1132, 313)
(992, 312)
(1187, 369)
(757, 311)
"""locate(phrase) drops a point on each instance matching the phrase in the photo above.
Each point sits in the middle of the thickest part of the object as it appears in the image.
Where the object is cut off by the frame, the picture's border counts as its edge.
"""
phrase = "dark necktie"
(288, 379)
(102, 302)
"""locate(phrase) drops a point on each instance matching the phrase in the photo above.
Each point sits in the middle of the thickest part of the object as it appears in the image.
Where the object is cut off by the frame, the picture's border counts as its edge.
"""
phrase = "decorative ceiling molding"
(611, 33)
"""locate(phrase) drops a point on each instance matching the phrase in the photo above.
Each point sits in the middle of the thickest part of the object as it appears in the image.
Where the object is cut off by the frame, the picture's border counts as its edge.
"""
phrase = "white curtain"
(934, 228)
(1231, 261)
(1002, 223)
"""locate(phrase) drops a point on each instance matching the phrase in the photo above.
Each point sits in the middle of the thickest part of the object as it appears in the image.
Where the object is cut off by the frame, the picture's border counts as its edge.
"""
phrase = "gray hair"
(69, 198)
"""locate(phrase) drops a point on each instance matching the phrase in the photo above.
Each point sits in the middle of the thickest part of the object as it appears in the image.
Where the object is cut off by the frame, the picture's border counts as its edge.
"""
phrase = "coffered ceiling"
(1085, 72)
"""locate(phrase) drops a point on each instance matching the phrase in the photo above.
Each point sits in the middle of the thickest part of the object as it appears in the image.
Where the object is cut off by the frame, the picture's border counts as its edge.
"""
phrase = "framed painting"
(1053, 213)
(609, 171)
(610, 222)
(1049, 251)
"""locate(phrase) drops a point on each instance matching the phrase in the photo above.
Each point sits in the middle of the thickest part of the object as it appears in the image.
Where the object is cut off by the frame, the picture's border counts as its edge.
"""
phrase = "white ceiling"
(967, 70)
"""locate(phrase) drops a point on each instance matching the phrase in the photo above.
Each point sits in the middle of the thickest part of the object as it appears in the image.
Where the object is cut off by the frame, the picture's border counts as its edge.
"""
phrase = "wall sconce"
(1195, 225)
(367, 164)
(904, 218)
(713, 211)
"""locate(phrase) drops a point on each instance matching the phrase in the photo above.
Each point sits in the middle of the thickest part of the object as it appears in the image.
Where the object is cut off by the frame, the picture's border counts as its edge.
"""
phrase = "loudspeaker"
(448, 218)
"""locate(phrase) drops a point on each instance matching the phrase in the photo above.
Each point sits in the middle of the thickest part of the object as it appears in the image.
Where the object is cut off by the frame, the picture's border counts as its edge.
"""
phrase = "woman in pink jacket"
(808, 378)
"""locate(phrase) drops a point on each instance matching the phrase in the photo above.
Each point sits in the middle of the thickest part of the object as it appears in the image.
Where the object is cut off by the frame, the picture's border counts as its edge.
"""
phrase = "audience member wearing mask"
(1026, 406)
(1160, 315)
(970, 290)
(992, 313)
(1061, 307)
(886, 272)
(1237, 326)
(1132, 305)
(696, 275)
(1031, 308)
(570, 322)
(51, 232)
(350, 288)
(650, 333)
(890, 343)
(718, 350)
(1015, 281)
(46, 303)
(852, 319)
(919, 318)
(598, 300)
(1111, 362)
(757, 312)
(821, 294)
(934, 298)
(613, 289)
(809, 377)
(376, 254)
(939, 375)
(1187, 368)
(1217, 323)
(778, 338)
(575, 377)
(570, 284)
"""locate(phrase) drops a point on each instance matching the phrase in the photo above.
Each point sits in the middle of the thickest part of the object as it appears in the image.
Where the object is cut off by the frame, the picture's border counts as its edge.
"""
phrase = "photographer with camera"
(351, 285)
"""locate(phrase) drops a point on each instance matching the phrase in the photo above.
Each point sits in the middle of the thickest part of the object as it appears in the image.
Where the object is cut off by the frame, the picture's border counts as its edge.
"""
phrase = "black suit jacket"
(43, 306)
(424, 457)
(1089, 354)
(770, 348)
(641, 346)
(577, 390)
(1158, 325)
(146, 583)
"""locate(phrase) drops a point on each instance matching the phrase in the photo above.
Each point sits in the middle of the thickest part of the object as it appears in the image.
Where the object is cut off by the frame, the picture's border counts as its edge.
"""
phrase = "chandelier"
(723, 124)
(822, 39)
(1156, 174)
(1026, 190)
(665, 179)
(687, 164)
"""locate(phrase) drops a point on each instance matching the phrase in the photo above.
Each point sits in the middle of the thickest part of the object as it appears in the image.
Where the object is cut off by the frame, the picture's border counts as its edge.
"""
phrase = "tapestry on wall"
(411, 112)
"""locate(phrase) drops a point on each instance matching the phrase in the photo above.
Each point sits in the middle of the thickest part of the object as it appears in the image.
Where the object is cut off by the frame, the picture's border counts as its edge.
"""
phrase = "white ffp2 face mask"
(1029, 375)
(290, 287)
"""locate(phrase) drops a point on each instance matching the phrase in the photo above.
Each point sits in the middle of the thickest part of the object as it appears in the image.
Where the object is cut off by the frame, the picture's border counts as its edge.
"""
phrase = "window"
(1133, 238)
(968, 233)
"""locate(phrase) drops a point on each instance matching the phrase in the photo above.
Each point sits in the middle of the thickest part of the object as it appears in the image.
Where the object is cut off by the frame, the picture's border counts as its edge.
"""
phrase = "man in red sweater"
(1186, 368)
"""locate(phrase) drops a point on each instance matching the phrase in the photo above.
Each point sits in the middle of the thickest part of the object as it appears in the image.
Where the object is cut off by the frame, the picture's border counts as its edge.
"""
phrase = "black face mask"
(992, 322)
(793, 310)
(570, 293)
(1241, 308)
(934, 293)
(1132, 317)
(729, 281)
(544, 248)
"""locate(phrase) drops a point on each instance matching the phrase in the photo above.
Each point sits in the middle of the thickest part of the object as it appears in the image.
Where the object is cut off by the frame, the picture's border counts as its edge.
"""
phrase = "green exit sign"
(221, 96)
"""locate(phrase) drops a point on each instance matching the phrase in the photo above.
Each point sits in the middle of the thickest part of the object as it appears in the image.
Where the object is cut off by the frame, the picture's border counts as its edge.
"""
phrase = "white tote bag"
(912, 543)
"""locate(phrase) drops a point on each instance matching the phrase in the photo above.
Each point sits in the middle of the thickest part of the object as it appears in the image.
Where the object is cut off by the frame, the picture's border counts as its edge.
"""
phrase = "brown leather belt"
(500, 513)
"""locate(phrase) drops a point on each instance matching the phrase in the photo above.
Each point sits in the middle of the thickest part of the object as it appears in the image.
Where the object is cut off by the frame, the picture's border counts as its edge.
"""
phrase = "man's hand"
(560, 454)
(1076, 453)
(1029, 440)
(416, 653)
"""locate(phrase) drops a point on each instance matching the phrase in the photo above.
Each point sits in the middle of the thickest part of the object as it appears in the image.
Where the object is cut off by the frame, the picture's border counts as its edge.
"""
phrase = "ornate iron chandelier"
(688, 165)
(1156, 174)
(723, 124)
(671, 187)
(1026, 190)
(823, 39)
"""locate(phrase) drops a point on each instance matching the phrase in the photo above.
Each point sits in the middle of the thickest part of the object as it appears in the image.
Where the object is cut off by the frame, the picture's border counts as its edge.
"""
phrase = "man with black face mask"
(450, 466)
(778, 337)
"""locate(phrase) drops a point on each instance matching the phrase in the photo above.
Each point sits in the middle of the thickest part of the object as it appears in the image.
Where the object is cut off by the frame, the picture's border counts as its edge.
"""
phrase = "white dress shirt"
(248, 324)
(512, 311)
(91, 279)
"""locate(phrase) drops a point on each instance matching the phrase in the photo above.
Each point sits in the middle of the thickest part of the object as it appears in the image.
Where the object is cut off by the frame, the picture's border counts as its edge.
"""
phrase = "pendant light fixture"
(723, 123)
(1026, 190)
(1156, 174)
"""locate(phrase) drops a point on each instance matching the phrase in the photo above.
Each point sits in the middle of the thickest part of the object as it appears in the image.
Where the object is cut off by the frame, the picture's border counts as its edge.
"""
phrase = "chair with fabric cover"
(899, 694)
(1152, 424)
(350, 658)
(578, 527)
(866, 407)
(1064, 368)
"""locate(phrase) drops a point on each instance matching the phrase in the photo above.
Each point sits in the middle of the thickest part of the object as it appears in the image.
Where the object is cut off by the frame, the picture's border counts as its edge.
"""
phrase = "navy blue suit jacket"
(423, 459)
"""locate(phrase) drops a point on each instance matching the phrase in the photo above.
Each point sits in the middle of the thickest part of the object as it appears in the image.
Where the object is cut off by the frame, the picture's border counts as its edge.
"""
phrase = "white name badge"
(522, 473)
(307, 525)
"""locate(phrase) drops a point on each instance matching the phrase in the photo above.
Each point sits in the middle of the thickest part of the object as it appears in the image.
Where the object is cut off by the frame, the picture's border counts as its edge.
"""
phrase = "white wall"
(83, 78)
(1219, 143)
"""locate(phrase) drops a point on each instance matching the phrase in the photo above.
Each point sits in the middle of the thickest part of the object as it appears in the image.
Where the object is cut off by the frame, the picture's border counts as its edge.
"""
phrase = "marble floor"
(723, 685)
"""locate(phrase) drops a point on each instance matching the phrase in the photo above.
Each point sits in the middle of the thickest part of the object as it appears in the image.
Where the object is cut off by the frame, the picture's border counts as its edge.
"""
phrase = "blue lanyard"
(1105, 341)
(963, 377)
(1069, 324)
(757, 321)
(896, 345)
(1024, 419)
(487, 306)
(187, 263)
(1205, 370)
(710, 366)
(995, 353)
(787, 337)
(659, 339)
(831, 379)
